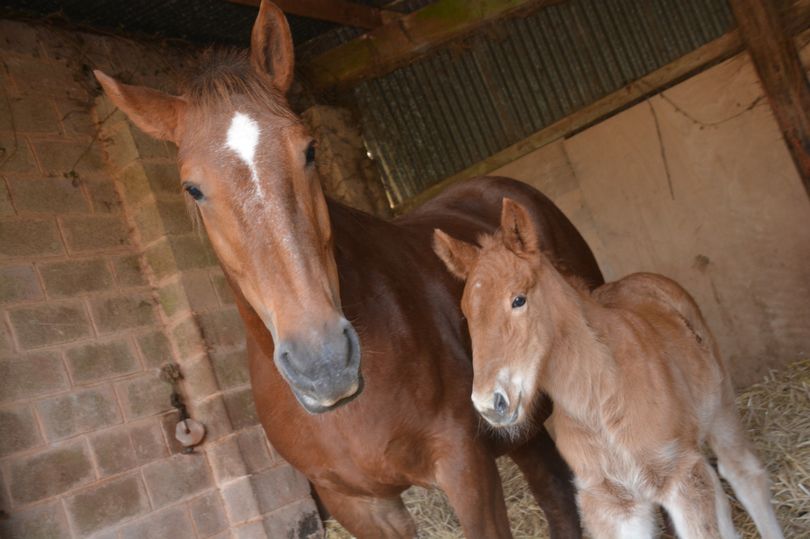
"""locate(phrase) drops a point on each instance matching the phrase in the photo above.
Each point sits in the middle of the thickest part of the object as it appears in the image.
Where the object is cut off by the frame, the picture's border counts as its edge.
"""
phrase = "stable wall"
(102, 281)
(697, 183)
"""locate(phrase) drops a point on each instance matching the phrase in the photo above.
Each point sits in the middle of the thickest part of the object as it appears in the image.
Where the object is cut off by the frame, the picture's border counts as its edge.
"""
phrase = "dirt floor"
(776, 413)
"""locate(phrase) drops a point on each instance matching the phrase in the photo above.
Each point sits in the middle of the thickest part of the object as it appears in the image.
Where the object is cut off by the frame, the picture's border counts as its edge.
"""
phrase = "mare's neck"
(579, 366)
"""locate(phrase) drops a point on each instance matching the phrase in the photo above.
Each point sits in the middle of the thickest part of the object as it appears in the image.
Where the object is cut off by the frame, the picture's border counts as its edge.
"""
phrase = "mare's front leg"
(466, 472)
(552, 484)
(366, 517)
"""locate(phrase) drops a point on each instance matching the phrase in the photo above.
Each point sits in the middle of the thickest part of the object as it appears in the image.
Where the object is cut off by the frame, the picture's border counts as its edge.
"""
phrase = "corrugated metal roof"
(469, 100)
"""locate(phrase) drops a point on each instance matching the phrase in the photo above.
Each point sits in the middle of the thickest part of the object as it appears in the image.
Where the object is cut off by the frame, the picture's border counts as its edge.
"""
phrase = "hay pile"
(776, 413)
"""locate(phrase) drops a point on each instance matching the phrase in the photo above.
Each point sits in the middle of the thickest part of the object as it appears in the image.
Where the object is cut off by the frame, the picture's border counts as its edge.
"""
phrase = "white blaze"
(243, 137)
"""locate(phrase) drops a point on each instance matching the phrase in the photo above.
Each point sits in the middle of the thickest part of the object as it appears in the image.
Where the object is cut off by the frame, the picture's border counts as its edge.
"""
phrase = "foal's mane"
(223, 73)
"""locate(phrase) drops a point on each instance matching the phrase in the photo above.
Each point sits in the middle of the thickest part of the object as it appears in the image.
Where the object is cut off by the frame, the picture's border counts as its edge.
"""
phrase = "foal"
(635, 376)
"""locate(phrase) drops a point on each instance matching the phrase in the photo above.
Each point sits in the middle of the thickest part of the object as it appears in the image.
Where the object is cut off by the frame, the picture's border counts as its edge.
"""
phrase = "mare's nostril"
(500, 404)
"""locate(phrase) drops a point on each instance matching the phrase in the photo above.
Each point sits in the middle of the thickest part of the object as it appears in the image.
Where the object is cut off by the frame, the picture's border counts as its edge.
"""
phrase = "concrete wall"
(697, 183)
(102, 281)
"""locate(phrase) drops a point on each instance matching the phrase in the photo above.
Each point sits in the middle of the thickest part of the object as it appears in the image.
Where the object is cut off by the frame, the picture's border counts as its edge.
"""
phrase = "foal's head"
(508, 312)
(248, 162)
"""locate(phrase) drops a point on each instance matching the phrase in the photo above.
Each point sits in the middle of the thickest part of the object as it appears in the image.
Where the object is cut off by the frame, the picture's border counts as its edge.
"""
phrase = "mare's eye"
(518, 302)
(309, 153)
(194, 191)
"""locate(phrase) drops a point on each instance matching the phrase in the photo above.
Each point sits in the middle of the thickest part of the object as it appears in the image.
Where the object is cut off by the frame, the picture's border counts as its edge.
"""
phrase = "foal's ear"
(271, 46)
(519, 232)
(459, 256)
(156, 113)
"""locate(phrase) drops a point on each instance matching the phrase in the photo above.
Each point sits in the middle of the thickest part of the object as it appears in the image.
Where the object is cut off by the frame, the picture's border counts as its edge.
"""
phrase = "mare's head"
(507, 313)
(248, 162)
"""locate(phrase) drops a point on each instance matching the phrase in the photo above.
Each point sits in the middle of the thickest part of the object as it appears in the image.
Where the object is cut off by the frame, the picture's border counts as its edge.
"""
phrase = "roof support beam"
(402, 40)
(777, 62)
(338, 11)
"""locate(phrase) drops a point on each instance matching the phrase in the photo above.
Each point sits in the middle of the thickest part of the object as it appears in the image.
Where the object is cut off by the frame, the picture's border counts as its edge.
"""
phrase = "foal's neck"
(579, 366)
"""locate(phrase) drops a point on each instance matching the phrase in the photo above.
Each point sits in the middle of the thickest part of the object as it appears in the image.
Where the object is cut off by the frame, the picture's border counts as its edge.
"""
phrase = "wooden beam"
(401, 41)
(777, 62)
(337, 11)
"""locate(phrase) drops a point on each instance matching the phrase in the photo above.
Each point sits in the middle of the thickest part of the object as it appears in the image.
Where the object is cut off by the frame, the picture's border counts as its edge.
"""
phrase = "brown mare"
(635, 376)
(317, 282)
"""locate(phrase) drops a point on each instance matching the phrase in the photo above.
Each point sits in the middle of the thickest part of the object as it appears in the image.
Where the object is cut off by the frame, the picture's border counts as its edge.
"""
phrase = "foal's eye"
(194, 191)
(518, 302)
(310, 153)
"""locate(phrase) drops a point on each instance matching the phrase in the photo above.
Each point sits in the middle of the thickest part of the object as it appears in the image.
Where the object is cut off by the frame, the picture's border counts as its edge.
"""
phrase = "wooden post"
(780, 70)
(338, 11)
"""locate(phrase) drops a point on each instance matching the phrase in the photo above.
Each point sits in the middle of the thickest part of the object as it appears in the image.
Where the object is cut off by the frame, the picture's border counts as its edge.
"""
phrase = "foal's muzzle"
(497, 409)
(323, 373)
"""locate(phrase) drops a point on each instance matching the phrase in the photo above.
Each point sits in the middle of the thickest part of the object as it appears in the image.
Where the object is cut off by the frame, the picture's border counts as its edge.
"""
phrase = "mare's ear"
(156, 113)
(519, 232)
(457, 255)
(271, 46)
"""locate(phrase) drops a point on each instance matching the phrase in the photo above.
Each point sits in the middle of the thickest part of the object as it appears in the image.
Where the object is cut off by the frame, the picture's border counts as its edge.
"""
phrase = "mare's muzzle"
(323, 372)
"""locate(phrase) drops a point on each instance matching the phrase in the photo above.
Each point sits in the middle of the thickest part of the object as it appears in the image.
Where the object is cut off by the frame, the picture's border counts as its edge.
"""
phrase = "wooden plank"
(401, 41)
(777, 62)
(337, 11)
(714, 51)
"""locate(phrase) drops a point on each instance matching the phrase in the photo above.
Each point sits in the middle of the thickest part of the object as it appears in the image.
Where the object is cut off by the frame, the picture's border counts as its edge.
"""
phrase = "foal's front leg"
(608, 516)
(467, 474)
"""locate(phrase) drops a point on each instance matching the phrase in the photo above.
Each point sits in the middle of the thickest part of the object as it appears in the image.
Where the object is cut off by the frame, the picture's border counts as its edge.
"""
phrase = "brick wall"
(103, 279)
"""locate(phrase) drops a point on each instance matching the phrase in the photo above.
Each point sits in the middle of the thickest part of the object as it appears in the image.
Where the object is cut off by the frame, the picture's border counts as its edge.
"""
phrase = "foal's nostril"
(500, 404)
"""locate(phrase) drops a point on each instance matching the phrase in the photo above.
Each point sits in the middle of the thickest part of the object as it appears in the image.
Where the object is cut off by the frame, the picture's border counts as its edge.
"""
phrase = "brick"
(42, 77)
(253, 530)
(6, 342)
(99, 360)
(241, 409)
(299, 520)
(198, 378)
(174, 215)
(223, 289)
(230, 368)
(149, 223)
(107, 504)
(222, 328)
(173, 299)
(128, 270)
(149, 147)
(78, 412)
(29, 237)
(226, 460)
(239, 500)
(172, 522)
(208, 514)
(74, 277)
(15, 155)
(155, 349)
(18, 283)
(147, 441)
(278, 487)
(18, 430)
(76, 117)
(50, 195)
(186, 335)
(122, 312)
(163, 179)
(160, 258)
(50, 472)
(60, 158)
(49, 324)
(95, 232)
(145, 395)
(213, 413)
(177, 478)
(19, 37)
(199, 290)
(30, 115)
(6, 207)
(31, 375)
(255, 449)
(133, 178)
(113, 451)
(192, 252)
(41, 522)
(104, 196)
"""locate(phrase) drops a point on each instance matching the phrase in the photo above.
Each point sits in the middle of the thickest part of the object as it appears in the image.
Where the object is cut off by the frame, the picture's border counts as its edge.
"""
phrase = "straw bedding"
(776, 413)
